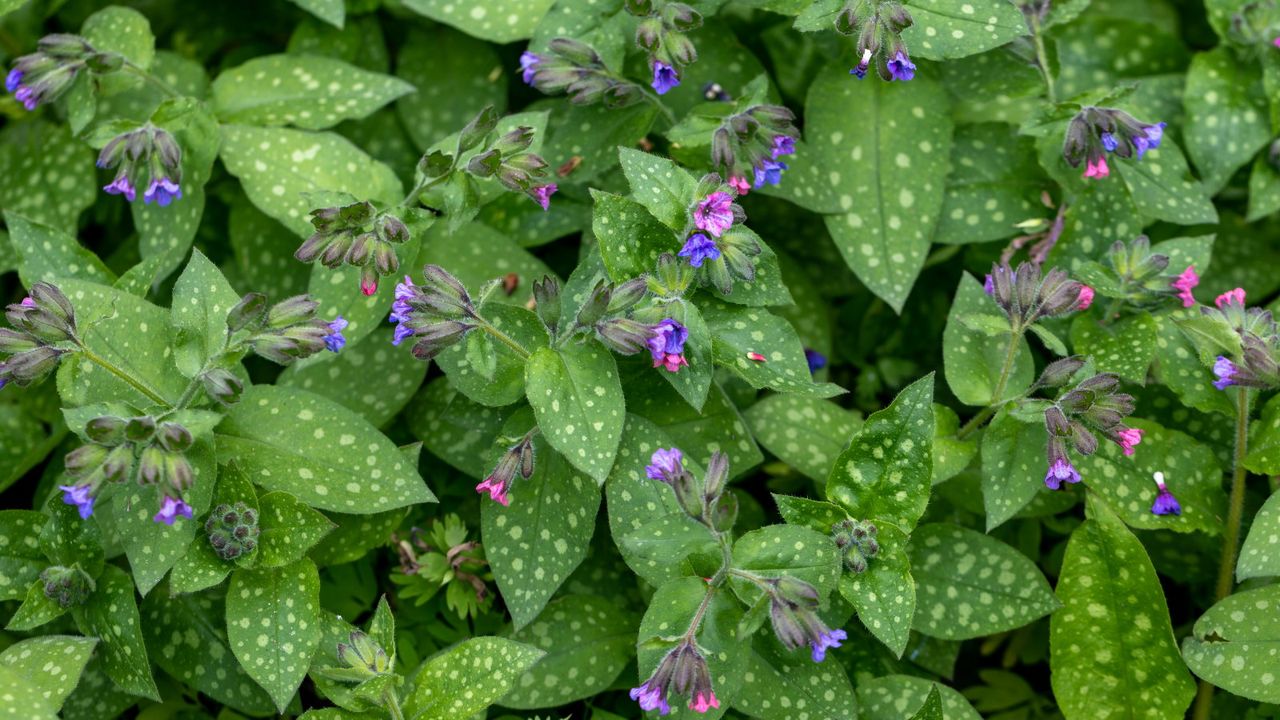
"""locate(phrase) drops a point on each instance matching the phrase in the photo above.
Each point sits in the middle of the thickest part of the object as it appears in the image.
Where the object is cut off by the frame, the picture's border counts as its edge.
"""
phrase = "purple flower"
(665, 464)
(666, 345)
(861, 70)
(335, 340)
(170, 509)
(989, 285)
(828, 639)
(651, 696)
(1109, 142)
(79, 495)
(13, 80)
(770, 171)
(163, 191)
(403, 332)
(901, 67)
(528, 66)
(715, 213)
(1060, 470)
(1166, 503)
(664, 78)
(698, 248)
(542, 194)
(121, 186)
(1226, 371)
(783, 145)
(400, 308)
(816, 360)
(1149, 139)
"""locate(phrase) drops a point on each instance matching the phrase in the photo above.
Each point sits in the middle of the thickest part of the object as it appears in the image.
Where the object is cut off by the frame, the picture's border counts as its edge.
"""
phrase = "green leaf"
(121, 30)
(779, 682)
(1013, 466)
(889, 180)
(308, 91)
(20, 558)
(68, 540)
(454, 428)
(670, 614)
(345, 378)
(738, 331)
(885, 595)
(718, 426)
(806, 433)
(325, 455)
(468, 678)
(578, 401)
(1111, 645)
(660, 185)
(494, 20)
(279, 167)
(1234, 645)
(456, 76)
(45, 174)
(1260, 554)
(950, 455)
(1179, 368)
(331, 11)
(889, 697)
(588, 642)
(630, 238)
(202, 297)
(1125, 347)
(1264, 190)
(1162, 187)
(667, 539)
(22, 699)
(945, 29)
(111, 615)
(1227, 119)
(36, 610)
(476, 254)
(273, 625)
(886, 472)
(542, 536)
(186, 638)
(48, 254)
(1264, 441)
(972, 360)
(1126, 484)
(95, 696)
(969, 584)
(51, 664)
(786, 550)
(289, 529)
(592, 132)
(511, 370)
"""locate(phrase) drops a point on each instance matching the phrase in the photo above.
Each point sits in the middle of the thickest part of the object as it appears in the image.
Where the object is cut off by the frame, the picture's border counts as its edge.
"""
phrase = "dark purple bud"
(290, 311)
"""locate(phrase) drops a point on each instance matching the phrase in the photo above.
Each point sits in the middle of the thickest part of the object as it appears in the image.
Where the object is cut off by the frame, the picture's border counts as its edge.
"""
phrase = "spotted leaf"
(739, 333)
(578, 401)
(945, 29)
(889, 697)
(273, 626)
(45, 174)
(308, 91)
(469, 677)
(660, 185)
(494, 20)
(1227, 118)
(972, 359)
(49, 665)
(20, 558)
(806, 433)
(288, 529)
(48, 254)
(1233, 645)
(111, 615)
(778, 682)
(1260, 554)
(345, 378)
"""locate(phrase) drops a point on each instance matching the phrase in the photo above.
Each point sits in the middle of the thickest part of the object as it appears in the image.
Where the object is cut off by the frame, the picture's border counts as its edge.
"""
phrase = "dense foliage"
(779, 359)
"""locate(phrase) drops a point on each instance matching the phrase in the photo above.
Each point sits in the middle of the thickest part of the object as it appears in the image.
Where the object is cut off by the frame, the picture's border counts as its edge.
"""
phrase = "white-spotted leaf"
(111, 615)
(1235, 645)
(577, 399)
(806, 433)
(467, 678)
(273, 625)
(308, 91)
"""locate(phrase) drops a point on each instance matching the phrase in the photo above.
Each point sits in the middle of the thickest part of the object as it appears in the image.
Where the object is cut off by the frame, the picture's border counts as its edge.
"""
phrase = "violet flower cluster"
(663, 34)
(1095, 132)
(148, 155)
(753, 142)
(878, 27)
(1257, 365)
(575, 68)
(44, 324)
(45, 75)
(1094, 405)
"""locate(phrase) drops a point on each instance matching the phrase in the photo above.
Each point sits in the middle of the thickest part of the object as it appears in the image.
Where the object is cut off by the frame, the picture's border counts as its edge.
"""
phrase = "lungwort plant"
(600, 359)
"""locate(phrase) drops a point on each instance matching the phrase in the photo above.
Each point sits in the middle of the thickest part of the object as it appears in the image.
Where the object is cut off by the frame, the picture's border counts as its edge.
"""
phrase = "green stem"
(426, 185)
(1230, 536)
(1001, 384)
(1042, 60)
(126, 377)
(726, 558)
(502, 337)
(655, 101)
(159, 84)
(392, 703)
(697, 617)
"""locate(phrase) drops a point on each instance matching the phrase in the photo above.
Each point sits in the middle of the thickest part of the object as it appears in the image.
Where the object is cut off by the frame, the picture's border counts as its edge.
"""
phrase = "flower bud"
(31, 366)
(105, 430)
(312, 248)
(1056, 422)
(151, 465)
(384, 258)
(233, 530)
(576, 52)
(596, 305)
(725, 513)
(628, 294)
(433, 339)
(291, 311)
(175, 438)
(364, 655)
(118, 464)
(1058, 372)
(514, 141)
(639, 8)
(485, 164)
(84, 460)
(249, 311)
(624, 335)
(360, 249)
(481, 125)
(68, 587)
(13, 342)
(546, 295)
(649, 33)
(717, 477)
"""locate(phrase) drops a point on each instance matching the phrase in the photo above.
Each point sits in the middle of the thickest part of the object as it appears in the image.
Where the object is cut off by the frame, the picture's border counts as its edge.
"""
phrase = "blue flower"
(13, 80)
(816, 360)
(664, 78)
(170, 509)
(901, 67)
(698, 248)
(121, 186)
(1226, 372)
(79, 495)
(666, 345)
(770, 171)
(828, 639)
(861, 70)
(335, 341)
(1061, 470)
(1166, 503)
(163, 191)
(1109, 142)
(1149, 139)
(528, 66)
(783, 145)
(665, 464)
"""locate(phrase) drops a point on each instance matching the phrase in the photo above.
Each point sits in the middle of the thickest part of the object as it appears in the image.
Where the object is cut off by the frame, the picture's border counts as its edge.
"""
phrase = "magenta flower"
(79, 495)
(666, 345)
(1166, 503)
(1226, 372)
(665, 464)
(335, 340)
(1184, 283)
(1061, 470)
(1097, 168)
(542, 194)
(1128, 438)
(828, 639)
(739, 184)
(170, 509)
(121, 186)
(497, 489)
(699, 248)
(1085, 299)
(715, 213)
(162, 191)
(901, 67)
(703, 702)
(1230, 297)
(664, 78)
(368, 284)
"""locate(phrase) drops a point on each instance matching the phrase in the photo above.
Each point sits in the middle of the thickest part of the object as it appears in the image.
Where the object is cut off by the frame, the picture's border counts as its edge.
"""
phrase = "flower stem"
(126, 377)
(392, 703)
(1042, 61)
(1230, 536)
(655, 101)
(702, 611)
(502, 337)
(997, 398)
(159, 84)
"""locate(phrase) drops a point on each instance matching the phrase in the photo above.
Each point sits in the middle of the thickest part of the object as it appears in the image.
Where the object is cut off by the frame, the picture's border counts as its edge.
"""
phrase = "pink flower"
(369, 285)
(496, 488)
(739, 184)
(541, 194)
(1184, 283)
(715, 213)
(1230, 297)
(704, 702)
(1128, 438)
(1085, 299)
(1097, 169)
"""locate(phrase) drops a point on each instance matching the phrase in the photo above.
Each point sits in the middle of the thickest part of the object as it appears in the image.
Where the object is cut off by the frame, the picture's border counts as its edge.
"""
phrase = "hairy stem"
(702, 611)
(655, 101)
(997, 397)
(1042, 61)
(1230, 536)
(126, 377)
(502, 337)
(392, 703)
(154, 81)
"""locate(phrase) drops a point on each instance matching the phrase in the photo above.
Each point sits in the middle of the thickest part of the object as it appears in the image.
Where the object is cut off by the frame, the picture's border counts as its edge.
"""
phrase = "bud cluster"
(233, 530)
(1093, 405)
(148, 154)
(707, 502)
(517, 459)
(364, 656)
(878, 25)
(143, 448)
(1258, 363)
(754, 139)
(856, 540)
(45, 75)
(508, 160)
(575, 68)
(436, 314)
(663, 33)
(726, 254)
(284, 333)
(67, 586)
(357, 235)
(1026, 297)
(40, 322)
(1254, 24)
(1138, 276)
(1095, 131)
(682, 671)
(793, 610)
